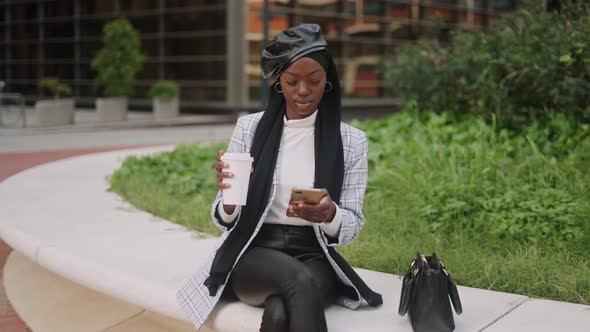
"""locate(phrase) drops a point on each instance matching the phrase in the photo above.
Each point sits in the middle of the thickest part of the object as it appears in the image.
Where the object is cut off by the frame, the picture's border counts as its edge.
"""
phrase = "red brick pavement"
(10, 164)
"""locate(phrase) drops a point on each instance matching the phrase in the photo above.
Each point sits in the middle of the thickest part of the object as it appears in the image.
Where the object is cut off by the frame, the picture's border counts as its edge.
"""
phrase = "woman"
(289, 264)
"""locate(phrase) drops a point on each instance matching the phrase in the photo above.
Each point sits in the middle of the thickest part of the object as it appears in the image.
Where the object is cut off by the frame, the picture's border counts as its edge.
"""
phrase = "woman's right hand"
(219, 166)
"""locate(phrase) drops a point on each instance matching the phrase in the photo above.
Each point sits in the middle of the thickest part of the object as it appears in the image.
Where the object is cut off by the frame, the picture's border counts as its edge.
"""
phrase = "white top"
(297, 169)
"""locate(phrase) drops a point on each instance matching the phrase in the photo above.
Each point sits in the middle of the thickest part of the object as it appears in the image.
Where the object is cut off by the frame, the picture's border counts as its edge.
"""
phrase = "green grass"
(506, 211)
(191, 212)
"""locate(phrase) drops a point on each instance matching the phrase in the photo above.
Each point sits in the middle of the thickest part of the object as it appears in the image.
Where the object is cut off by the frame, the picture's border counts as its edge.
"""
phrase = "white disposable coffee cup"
(240, 165)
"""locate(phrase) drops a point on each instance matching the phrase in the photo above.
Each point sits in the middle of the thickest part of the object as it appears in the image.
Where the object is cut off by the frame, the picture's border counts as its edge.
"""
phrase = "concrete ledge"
(545, 316)
(61, 216)
(51, 303)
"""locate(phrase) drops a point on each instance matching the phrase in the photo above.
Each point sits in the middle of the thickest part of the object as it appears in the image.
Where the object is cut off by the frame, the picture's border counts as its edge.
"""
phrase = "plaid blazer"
(194, 296)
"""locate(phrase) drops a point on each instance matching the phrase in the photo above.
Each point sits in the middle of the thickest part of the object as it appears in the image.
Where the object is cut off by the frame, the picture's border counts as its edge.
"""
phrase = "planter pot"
(111, 109)
(165, 109)
(56, 112)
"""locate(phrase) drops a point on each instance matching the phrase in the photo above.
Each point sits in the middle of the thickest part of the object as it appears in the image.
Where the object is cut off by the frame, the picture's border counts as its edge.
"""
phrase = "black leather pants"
(286, 271)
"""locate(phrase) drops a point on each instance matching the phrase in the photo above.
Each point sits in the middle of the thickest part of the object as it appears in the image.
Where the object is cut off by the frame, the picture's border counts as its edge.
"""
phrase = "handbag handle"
(452, 288)
(454, 294)
(404, 300)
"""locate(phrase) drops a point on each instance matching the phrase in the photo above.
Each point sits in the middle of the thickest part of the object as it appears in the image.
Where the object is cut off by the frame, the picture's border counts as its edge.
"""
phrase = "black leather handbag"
(426, 290)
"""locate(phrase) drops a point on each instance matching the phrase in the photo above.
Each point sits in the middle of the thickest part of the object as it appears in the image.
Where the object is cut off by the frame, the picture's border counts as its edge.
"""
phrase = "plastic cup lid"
(237, 156)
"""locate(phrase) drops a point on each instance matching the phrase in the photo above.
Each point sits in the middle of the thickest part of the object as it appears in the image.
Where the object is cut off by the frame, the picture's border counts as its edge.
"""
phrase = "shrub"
(529, 63)
(119, 60)
(463, 175)
(165, 90)
(55, 87)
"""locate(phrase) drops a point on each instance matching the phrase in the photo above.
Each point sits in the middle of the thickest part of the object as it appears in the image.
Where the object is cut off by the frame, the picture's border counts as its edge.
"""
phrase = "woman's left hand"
(324, 211)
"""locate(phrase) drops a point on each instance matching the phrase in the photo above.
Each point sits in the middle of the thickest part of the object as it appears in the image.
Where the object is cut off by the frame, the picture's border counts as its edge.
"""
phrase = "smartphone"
(307, 195)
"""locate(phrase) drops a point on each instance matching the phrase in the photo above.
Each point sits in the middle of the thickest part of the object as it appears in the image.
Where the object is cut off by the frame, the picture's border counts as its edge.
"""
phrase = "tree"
(120, 59)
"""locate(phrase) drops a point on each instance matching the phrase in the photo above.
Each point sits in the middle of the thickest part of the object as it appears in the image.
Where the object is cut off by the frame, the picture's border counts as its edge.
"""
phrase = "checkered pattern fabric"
(194, 296)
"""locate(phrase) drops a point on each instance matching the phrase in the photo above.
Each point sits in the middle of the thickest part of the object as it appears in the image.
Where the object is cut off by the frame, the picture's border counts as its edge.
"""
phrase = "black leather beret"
(289, 46)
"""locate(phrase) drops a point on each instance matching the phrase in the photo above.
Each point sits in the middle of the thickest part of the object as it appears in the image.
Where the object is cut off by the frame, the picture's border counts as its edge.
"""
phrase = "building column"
(266, 17)
(236, 55)
(416, 11)
(470, 10)
(292, 17)
(77, 53)
(40, 46)
(486, 8)
(7, 41)
(116, 7)
(345, 65)
(161, 38)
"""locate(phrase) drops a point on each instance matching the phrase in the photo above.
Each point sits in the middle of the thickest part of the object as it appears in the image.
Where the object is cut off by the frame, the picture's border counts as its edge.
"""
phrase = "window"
(62, 8)
(59, 30)
(212, 71)
(59, 50)
(139, 5)
(196, 21)
(96, 7)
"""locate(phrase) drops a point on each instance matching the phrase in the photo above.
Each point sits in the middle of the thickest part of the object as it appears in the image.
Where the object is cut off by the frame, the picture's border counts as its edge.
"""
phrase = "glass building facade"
(361, 32)
(212, 47)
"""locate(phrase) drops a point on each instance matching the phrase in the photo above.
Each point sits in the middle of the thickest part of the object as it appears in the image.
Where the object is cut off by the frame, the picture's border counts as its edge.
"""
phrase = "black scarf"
(329, 169)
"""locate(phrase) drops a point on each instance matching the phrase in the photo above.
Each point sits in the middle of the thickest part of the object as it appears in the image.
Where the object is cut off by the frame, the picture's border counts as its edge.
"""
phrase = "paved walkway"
(63, 140)
(86, 120)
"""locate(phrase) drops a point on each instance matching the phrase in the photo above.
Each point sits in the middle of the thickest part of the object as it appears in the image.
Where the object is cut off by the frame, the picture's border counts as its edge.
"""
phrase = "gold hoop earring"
(277, 86)
(328, 89)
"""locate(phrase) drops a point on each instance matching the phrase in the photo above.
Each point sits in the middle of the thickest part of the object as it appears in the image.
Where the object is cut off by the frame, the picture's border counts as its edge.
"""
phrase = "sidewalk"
(189, 128)
(86, 120)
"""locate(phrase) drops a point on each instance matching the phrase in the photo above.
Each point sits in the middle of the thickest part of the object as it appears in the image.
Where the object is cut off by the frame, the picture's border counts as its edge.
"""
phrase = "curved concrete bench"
(61, 216)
